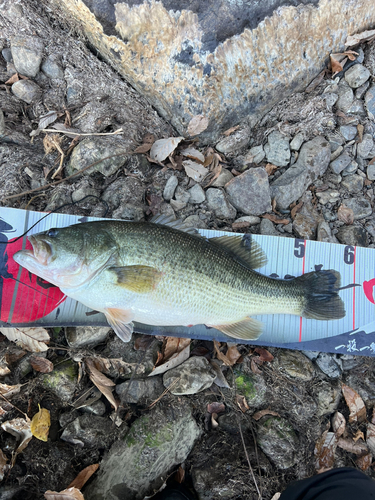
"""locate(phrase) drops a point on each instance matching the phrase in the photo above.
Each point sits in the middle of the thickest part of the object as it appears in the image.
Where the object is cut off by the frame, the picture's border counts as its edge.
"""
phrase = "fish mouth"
(41, 250)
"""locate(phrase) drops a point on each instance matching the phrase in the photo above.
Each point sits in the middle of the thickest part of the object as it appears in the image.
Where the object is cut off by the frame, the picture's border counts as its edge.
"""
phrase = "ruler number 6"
(299, 248)
(349, 254)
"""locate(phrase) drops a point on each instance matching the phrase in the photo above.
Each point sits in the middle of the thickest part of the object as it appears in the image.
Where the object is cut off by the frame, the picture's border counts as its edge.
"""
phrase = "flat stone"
(89, 430)
(82, 336)
(170, 188)
(331, 98)
(328, 364)
(250, 192)
(312, 162)
(277, 149)
(364, 384)
(141, 391)
(335, 140)
(130, 211)
(197, 194)
(224, 177)
(27, 90)
(52, 68)
(360, 92)
(192, 376)
(141, 461)
(195, 221)
(218, 203)
(370, 102)
(7, 54)
(357, 108)
(296, 365)
(251, 385)
(62, 381)
(371, 172)
(181, 198)
(352, 235)
(93, 149)
(348, 132)
(357, 75)
(328, 396)
(350, 361)
(27, 52)
(350, 169)
(346, 97)
(297, 141)
(97, 408)
(234, 142)
(365, 147)
(341, 162)
(353, 183)
(360, 206)
(251, 219)
(277, 439)
(306, 220)
(267, 228)
(329, 196)
(324, 233)
(255, 155)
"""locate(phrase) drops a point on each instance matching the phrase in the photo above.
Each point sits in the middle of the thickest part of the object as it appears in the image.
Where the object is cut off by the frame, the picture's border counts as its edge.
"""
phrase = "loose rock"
(218, 203)
(234, 142)
(250, 192)
(312, 162)
(277, 149)
(170, 188)
(353, 183)
(365, 147)
(52, 68)
(27, 52)
(328, 398)
(252, 386)
(192, 376)
(296, 365)
(371, 172)
(27, 90)
(224, 177)
(324, 233)
(277, 439)
(82, 336)
(196, 194)
(140, 391)
(346, 97)
(255, 155)
(352, 235)
(370, 102)
(348, 132)
(62, 380)
(297, 142)
(329, 365)
(340, 163)
(360, 206)
(357, 75)
(89, 430)
(267, 228)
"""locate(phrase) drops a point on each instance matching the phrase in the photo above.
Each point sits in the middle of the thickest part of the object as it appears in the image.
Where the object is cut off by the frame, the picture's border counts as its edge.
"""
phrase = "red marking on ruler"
(355, 250)
(303, 272)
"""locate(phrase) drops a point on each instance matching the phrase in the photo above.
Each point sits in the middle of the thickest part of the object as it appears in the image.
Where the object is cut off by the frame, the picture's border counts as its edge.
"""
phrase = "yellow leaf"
(40, 424)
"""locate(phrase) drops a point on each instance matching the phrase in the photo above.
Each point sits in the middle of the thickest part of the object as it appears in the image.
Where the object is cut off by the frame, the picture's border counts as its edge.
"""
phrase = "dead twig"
(55, 183)
(248, 460)
(116, 132)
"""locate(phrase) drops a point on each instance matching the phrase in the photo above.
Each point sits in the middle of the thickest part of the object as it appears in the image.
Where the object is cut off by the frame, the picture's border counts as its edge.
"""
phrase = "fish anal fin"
(244, 249)
(120, 321)
(247, 329)
(139, 279)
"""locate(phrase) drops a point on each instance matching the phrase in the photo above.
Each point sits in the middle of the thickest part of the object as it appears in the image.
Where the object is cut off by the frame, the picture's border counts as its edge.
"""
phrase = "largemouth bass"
(156, 274)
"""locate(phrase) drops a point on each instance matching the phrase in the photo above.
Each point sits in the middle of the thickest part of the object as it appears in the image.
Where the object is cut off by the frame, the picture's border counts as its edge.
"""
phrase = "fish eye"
(52, 232)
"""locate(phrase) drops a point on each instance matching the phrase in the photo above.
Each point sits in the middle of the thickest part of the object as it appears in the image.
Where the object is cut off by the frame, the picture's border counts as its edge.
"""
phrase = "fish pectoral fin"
(247, 329)
(121, 322)
(138, 279)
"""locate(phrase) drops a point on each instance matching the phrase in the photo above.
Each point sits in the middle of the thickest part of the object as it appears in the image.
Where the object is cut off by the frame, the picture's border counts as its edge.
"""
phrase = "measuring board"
(27, 300)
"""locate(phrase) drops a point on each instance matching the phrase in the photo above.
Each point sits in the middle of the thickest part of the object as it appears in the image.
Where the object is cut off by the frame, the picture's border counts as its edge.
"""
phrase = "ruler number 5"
(299, 248)
(349, 254)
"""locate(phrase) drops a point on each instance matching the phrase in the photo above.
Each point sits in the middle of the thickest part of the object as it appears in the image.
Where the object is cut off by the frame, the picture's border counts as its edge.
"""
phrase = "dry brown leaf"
(364, 462)
(355, 403)
(365, 36)
(264, 355)
(31, 339)
(3, 465)
(270, 168)
(255, 367)
(13, 79)
(174, 361)
(237, 226)
(180, 475)
(173, 345)
(9, 390)
(259, 414)
(143, 342)
(83, 476)
(114, 367)
(19, 428)
(345, 214)
(371, 162)
(41, 365)
(103, 383)
(40, 424)
(231, 130)
(275, 219)
(220, 355)
(358, 448)
(193, 154)
(162, 148)
(197, 125)
(195, 170)
(212, 176)
(324, 451)
(216, 407)
(337, 62)
(242, 403)
(358, 435)
(296, 209)
(220, 380)
(143, 148)
(68, 494)
(338, 424)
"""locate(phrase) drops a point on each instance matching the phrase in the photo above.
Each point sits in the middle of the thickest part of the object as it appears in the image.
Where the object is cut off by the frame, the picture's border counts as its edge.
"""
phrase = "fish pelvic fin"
(247, 329)
(244, 249)
(138, 279)
(321, 298)
(120, 321)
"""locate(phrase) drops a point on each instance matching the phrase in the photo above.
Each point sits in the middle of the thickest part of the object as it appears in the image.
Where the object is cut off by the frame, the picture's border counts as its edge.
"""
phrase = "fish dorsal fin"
(167, 220)
(138, 279)
(244, 249)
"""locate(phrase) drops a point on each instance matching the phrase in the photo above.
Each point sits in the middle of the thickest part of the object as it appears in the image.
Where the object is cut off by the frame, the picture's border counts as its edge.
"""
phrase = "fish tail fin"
(321, 298)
